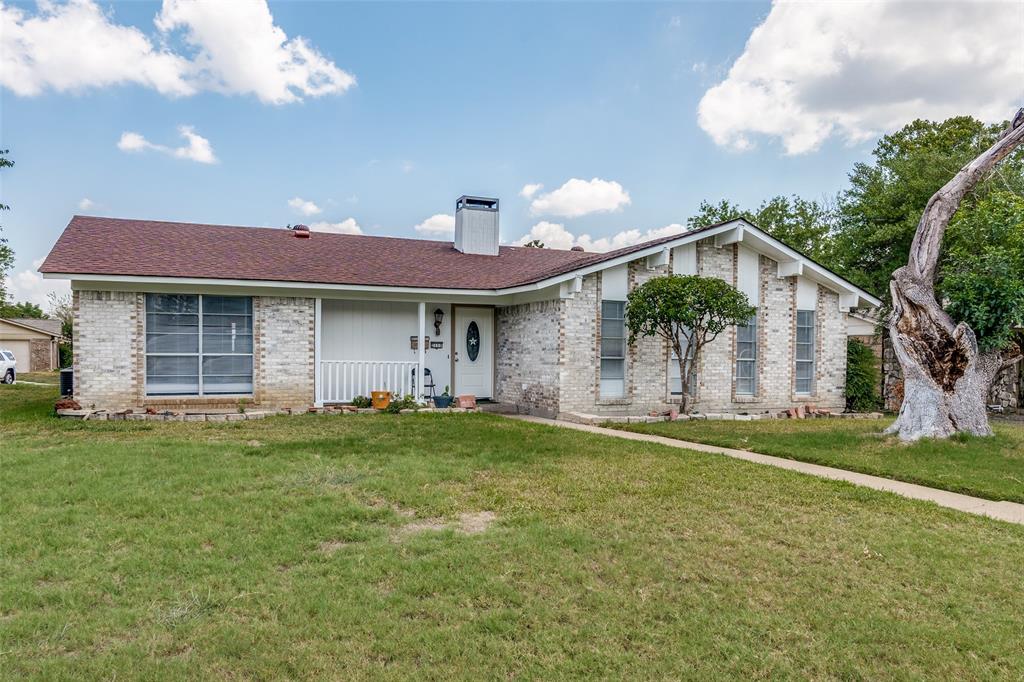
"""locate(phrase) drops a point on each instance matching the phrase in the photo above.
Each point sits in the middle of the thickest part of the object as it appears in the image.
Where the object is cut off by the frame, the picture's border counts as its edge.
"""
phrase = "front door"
(474, 351)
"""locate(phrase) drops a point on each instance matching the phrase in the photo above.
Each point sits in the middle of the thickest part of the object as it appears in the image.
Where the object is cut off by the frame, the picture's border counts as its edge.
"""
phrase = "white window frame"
(199, 354)
(750, 324)
(812, 314)
(602, 357)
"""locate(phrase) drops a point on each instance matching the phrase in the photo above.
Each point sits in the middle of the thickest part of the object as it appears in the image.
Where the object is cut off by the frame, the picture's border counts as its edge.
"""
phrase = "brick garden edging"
(598, 419)
(222, 416)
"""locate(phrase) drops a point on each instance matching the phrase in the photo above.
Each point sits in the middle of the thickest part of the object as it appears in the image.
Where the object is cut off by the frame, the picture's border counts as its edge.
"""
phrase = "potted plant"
(381, 399)
(444, 400)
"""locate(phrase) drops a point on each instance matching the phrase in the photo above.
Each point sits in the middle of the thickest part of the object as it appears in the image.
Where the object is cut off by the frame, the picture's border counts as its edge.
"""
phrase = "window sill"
(162, 399)
(614, 401)
(746, 399)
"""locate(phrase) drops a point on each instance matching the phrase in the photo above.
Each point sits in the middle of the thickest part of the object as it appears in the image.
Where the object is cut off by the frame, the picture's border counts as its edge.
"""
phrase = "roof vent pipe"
(476, 225)
(301, 231)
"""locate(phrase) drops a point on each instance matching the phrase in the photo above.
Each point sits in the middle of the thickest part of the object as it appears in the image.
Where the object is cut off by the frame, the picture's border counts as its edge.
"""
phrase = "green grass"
(992, 468)
(283, 548)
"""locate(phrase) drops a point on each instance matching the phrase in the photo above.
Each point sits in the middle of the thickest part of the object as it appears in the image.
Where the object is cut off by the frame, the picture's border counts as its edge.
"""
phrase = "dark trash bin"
(67, 381)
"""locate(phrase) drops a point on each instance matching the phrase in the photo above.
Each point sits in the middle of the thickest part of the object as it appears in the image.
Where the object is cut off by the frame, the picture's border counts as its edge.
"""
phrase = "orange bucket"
(381, 399)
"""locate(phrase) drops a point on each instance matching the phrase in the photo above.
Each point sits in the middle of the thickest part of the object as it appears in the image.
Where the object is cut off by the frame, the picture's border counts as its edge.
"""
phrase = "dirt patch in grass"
(331, 546)
(472, 523)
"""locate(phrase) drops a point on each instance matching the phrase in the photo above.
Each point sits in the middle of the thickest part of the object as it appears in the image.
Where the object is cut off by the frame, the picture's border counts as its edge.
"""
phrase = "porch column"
(420, 351)
(318, 381)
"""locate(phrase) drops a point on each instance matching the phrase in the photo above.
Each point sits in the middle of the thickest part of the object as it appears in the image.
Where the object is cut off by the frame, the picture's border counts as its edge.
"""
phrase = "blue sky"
(450, 98)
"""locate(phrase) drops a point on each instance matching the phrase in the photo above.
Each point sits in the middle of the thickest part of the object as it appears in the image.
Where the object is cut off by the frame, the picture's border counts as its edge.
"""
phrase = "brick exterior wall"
(578, 371)
(108, 344)
(110, 361)
(283, 361)
(527, 338)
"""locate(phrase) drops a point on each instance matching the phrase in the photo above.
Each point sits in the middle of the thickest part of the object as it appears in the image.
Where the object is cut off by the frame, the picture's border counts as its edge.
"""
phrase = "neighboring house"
(186, 316)
(35, 342)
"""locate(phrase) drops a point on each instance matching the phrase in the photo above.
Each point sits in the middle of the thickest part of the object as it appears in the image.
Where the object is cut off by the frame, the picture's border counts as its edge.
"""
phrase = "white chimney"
(476, 225)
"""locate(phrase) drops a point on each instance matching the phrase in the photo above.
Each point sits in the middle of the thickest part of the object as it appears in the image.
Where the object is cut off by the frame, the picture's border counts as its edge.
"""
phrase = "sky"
(595, 124)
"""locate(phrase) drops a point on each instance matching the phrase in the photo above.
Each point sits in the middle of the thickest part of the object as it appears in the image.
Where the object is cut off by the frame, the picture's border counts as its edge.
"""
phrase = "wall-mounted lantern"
(438, 316)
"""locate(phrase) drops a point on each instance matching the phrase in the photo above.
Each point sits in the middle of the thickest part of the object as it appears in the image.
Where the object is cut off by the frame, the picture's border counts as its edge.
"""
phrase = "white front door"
(474, 351)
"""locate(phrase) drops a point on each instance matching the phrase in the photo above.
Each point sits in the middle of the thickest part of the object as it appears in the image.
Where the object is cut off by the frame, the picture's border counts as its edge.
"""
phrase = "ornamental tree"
(689, 312)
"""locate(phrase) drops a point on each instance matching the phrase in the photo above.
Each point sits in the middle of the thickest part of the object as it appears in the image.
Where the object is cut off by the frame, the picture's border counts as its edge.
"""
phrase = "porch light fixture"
(438, 316)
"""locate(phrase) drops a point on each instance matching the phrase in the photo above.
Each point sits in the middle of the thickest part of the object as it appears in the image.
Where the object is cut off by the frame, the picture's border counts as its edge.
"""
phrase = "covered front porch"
(407, 348)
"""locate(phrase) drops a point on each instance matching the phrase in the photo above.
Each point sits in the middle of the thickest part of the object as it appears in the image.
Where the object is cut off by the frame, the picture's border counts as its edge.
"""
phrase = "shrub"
(406, 403)
(861, 377)
(361, 401)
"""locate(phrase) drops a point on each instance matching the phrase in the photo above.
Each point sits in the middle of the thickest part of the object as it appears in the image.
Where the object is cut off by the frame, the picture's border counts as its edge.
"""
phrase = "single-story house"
(35, 342)
(186, 315)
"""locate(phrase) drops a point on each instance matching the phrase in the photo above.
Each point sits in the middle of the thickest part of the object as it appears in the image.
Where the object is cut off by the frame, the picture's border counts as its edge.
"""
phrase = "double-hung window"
(198, 345)
(746, 357)
(613, 349)
(804, 352)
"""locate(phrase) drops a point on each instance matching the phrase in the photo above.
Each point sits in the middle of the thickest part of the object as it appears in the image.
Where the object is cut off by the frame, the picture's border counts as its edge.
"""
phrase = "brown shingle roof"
(148, 248)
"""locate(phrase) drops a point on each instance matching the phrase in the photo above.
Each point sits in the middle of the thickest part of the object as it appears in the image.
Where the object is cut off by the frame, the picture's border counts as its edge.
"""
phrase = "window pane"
(172, 343)
(227, 343)
(228, 305)
(612, 328)
(803, 386)
(613, 369)
(172, 303)
(613, 388)
(613, 309)
(803, 334)
(613, 348)
(167, 375)
(227, 374)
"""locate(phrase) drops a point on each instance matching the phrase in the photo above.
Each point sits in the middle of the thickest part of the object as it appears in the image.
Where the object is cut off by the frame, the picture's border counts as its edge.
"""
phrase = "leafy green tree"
(805, 225)
(23, 309)
(982, 276)
(61, 308)
(878, 214)
(6, 252)
(689, 312)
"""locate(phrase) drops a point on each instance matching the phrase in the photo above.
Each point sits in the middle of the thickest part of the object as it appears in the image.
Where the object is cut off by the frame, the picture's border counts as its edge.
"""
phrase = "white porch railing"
(343, 380)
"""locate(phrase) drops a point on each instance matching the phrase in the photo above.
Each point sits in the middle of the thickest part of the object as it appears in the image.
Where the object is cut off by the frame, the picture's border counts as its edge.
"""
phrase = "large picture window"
(746, 357)
(805, 352)
(613, 349)
(198, 345)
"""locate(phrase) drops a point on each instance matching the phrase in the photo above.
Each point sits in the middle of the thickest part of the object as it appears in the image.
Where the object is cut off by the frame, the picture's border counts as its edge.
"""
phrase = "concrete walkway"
(1004, 511)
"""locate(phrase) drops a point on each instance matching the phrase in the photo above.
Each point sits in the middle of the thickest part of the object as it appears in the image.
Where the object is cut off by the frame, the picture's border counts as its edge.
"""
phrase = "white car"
(8, 366)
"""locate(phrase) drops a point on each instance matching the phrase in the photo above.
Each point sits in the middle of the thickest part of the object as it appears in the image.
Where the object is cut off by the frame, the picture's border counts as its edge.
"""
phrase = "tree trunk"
(946, 378)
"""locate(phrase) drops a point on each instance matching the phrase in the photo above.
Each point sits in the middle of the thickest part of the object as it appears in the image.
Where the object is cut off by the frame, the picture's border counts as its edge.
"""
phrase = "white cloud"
(530, 189)
(675, 22)
(408, 167)
(85, 204)
(197, 149)
(580, 197)
(855, 70)
(437, 225)
(233, 48)
(29, 285)
(304, 207)
(346, 226)
(555, 236)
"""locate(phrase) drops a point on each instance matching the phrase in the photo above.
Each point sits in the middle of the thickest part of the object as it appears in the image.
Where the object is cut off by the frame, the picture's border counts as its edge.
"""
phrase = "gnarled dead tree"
(946, 378)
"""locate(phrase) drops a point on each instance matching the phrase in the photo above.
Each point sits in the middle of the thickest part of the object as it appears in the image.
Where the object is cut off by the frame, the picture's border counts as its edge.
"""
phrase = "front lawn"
(472, 547)
(992, 468)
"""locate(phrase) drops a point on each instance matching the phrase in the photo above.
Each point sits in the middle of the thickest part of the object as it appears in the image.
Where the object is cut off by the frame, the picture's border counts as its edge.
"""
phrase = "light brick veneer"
(526, 362)
(110, 364)
(524, 356)
(284, 327)
(107, 328)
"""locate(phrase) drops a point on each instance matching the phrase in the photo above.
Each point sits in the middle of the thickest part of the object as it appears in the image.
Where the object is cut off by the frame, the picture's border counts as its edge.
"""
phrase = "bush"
(406, 403)
(361, 401)
(861, 377)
